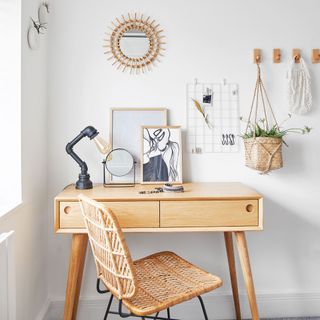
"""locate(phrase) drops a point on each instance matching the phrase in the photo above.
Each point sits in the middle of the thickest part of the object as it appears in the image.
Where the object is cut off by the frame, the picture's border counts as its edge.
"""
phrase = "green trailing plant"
(260, 129)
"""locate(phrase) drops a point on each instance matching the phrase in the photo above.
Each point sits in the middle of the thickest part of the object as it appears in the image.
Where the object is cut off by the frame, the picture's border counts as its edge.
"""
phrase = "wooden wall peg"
(276, 55)
(256, 55)
(315, 55)
(296, 55)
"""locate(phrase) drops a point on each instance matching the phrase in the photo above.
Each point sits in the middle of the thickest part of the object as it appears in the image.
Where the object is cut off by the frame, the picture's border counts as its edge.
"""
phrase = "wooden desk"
(225, 207)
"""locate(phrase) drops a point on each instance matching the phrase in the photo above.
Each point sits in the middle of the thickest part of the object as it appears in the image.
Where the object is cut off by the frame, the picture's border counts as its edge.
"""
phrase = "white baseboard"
(219, 306)
(44, 310)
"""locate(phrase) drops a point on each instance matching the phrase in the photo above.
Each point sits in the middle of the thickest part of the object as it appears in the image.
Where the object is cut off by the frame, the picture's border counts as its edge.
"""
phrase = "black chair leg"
(156, 316)
(98, 287)
(108, 308)
(203, 308)
(168, 314)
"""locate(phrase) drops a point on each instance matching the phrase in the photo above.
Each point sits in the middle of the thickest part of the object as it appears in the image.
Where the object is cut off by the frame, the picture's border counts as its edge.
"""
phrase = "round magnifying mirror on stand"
(119, 163)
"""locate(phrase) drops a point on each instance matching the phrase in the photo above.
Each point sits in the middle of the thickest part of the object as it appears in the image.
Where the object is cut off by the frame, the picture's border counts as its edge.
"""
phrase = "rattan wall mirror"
(134, 43)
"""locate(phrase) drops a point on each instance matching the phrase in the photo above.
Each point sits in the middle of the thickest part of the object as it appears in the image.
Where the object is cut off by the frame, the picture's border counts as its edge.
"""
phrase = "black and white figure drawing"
(161, 151)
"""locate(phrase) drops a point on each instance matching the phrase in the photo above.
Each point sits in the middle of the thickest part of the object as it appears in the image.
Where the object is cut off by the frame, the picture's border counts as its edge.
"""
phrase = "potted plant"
(263, 138)
(263, 145)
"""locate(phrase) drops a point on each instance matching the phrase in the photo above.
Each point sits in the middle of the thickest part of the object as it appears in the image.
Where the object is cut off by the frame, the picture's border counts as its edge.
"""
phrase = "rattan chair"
(146, 286)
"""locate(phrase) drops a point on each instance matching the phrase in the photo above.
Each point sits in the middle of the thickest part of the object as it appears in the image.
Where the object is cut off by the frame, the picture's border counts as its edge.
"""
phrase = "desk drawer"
(130, 214)
(209, 213)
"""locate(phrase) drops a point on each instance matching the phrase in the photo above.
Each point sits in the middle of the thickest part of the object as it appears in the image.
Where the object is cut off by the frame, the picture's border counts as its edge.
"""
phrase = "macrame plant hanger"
(260, 97)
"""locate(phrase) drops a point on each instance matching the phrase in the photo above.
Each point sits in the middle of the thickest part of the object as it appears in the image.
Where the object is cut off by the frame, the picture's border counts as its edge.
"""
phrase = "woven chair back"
(112, 257)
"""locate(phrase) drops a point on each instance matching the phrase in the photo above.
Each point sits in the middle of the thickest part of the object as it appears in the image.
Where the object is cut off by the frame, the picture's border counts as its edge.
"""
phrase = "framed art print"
(125, 130)
(161, 154)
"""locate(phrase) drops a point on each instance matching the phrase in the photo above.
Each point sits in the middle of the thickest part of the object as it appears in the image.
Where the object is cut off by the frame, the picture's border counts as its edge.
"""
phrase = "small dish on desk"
(168, 187)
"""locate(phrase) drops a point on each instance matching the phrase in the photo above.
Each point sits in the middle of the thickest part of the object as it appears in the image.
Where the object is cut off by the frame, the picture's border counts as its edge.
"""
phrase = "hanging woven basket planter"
(263, 151)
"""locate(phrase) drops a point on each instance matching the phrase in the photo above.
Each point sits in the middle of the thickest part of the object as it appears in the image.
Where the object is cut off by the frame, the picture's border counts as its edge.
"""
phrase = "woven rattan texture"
(165, 280)
(148, 285)
(263, 153)
(112, 258)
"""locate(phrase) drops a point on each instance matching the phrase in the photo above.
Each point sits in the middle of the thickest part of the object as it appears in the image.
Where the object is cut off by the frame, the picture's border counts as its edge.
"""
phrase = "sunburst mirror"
(134, 43)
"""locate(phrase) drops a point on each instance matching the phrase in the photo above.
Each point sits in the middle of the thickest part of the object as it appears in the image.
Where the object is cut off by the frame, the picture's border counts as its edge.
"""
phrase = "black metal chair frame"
(126, 315)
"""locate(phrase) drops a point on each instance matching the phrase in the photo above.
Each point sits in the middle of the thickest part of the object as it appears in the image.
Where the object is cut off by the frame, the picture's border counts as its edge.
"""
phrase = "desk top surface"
(193, 191)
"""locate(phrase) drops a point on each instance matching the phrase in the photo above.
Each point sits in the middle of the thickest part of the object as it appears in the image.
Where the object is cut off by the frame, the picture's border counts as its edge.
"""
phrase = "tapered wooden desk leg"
(246, 269)
(76, 266)
(233, 273)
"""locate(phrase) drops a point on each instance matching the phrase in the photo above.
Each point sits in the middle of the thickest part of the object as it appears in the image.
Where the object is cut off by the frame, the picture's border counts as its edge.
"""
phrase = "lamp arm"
(69, 150)
(84, 181)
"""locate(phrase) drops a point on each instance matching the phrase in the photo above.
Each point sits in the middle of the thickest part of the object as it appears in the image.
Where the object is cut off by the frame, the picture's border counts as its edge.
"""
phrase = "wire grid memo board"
(220, 104)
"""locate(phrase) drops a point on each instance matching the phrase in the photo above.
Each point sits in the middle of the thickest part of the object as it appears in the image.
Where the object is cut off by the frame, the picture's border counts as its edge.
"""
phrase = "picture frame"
(125, 130)
(161, 156)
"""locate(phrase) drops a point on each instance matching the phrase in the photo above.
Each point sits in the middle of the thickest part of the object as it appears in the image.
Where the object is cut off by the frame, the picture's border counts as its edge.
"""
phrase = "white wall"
(209, 40)
(29, 220)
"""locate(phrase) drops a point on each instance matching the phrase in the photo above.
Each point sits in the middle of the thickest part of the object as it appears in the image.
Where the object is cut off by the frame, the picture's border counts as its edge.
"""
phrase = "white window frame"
(10, 105)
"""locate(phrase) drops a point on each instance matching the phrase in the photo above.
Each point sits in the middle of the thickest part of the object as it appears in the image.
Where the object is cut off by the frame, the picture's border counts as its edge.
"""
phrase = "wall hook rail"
(256, 55)
(296, 55)
(315, 56)
(276, 55)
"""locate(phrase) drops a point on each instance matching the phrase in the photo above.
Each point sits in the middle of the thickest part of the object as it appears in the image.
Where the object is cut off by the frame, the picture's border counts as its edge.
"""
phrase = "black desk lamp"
(84, 181)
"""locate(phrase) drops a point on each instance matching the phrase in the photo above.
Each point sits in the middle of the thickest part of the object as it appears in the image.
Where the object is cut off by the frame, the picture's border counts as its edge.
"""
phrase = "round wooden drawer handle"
(67, 209)
(249, 207)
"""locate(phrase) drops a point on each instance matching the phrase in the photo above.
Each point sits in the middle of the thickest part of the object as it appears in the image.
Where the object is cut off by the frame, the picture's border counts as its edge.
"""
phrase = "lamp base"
(84, 182)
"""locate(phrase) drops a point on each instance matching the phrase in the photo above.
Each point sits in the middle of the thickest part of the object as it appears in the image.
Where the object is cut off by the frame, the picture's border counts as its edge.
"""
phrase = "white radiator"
(7, 277)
